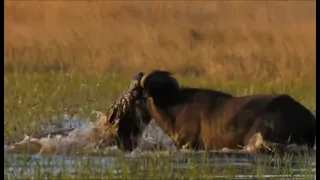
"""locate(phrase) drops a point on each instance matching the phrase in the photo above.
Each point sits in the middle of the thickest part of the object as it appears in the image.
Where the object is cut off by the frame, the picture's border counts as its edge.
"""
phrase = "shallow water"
(16, 165)
(20, 165)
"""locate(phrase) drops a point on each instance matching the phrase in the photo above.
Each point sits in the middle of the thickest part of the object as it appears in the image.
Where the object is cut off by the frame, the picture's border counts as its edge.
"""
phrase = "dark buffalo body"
(209, 119)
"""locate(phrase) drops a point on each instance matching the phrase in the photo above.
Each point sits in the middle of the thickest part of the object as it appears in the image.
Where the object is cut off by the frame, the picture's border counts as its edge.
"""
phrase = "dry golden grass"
(218, 39)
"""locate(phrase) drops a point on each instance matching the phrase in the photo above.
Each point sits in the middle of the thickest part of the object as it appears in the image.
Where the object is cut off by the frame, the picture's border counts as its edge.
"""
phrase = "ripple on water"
(24, 164)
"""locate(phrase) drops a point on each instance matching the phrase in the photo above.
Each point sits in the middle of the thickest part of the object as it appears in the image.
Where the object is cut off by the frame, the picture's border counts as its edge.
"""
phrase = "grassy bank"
(223, 40)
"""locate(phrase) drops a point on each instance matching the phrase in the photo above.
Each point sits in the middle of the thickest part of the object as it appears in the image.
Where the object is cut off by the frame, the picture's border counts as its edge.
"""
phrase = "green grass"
(31, 99)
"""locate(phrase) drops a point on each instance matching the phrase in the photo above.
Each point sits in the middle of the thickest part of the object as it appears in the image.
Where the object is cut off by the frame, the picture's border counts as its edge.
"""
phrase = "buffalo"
(208, 119)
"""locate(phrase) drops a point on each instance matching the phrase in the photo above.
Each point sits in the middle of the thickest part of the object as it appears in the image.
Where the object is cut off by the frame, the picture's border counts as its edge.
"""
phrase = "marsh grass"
(220, 39)
(31, 99)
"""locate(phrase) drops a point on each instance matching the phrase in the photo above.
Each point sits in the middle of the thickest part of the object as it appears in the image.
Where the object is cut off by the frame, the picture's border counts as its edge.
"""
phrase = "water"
(19, 165)
(16, 165)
